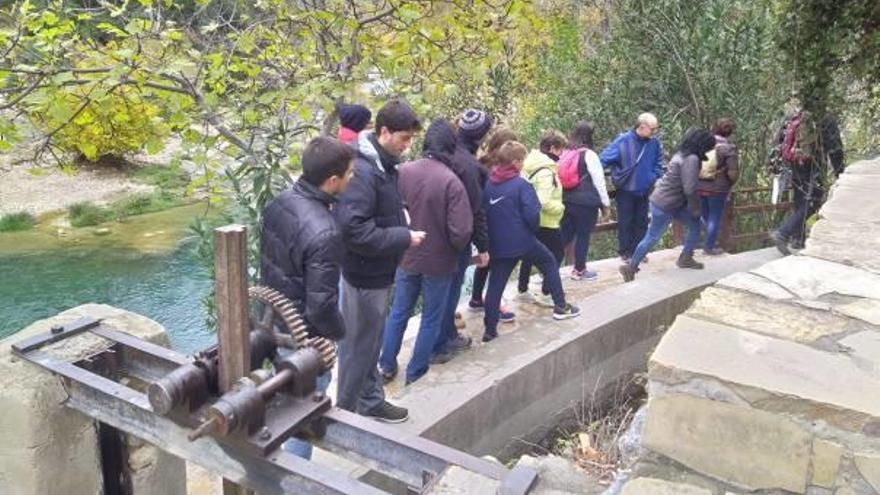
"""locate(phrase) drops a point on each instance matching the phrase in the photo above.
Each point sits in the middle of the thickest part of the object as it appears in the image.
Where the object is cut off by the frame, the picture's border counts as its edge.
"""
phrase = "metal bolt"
(56, 329)
(265, 434)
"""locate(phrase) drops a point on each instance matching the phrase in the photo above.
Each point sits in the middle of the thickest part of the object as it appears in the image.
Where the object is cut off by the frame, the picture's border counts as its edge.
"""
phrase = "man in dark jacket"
(472, 128)
(438, 205)
(376, 235)
(301, 244)
(821, 143)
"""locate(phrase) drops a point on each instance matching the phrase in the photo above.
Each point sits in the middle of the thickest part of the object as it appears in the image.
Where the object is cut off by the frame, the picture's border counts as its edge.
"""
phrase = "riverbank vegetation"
(14, 222)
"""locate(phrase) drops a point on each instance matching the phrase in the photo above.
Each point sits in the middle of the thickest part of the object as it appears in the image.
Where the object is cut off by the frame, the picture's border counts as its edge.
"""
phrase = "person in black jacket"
(819, 140)
(472, 128)
(376, 233)
(301, 244)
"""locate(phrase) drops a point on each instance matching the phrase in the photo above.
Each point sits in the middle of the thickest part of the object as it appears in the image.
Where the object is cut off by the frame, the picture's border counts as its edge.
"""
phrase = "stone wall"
(49, 449)
(770, 382)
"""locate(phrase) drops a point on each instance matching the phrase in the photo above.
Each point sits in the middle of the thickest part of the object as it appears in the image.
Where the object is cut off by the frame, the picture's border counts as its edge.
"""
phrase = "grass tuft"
(14, 222)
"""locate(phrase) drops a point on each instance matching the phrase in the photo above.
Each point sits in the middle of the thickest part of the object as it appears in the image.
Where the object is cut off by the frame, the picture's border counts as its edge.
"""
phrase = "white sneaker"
(526, 297)
(545, 301)
(536, 279)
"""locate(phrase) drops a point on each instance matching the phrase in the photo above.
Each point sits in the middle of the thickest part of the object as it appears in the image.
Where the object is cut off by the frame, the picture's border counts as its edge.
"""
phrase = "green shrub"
(143, 203)
(13, 222)
(166, 178)
(86, 214)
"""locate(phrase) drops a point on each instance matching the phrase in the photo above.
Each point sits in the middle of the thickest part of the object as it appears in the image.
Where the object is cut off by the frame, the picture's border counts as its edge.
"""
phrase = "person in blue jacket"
(513, 214)
(635, 158)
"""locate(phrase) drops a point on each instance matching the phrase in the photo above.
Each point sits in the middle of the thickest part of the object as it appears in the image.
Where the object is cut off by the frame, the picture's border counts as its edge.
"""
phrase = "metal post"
(231, 298)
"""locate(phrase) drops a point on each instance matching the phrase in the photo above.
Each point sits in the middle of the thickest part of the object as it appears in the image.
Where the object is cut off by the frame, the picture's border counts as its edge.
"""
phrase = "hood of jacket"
(439, 143)
(536, 160)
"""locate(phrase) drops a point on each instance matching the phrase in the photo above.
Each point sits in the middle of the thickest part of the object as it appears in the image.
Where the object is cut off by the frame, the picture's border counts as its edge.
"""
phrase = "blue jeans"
(303, 448)
(660, 220)
(578, 223)
(407, 288)
(499, 274)
(447, 326)
(632, 221)
(711, 211)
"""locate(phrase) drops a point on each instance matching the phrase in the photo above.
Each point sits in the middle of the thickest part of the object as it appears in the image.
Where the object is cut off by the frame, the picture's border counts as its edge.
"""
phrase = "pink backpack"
(568, 168)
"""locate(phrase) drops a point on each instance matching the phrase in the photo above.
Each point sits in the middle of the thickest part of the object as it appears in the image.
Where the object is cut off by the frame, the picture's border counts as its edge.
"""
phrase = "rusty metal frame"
(351, 436)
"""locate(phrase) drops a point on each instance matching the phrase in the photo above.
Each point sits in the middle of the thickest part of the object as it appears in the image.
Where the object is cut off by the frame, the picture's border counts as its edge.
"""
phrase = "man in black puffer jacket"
(301, 245)
(376, 233)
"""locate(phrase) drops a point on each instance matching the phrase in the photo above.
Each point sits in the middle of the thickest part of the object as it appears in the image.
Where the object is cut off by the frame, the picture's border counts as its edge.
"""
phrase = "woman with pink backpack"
(583, 193)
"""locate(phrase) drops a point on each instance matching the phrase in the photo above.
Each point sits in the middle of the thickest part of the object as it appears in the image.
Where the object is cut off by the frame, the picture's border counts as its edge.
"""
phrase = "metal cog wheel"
(280, 311)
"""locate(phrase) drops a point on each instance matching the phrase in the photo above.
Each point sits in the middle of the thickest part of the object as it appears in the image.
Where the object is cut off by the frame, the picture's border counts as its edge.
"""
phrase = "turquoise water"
(142, 264)
(166, 286)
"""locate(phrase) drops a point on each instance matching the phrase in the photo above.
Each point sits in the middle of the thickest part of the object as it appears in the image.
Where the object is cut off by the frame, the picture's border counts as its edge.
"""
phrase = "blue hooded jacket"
(635, 163)
(513, 214)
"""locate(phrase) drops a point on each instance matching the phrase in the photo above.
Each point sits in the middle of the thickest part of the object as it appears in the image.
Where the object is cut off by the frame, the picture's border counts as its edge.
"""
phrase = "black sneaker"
(780, 242)
(460, 343)
(388, 413)
(489, 336)
(569, 311)
(628, 272)
(442, 357)
(688, 261)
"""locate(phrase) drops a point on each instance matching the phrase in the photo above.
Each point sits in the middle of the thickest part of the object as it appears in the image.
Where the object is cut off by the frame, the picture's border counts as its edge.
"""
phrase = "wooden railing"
(742, 202)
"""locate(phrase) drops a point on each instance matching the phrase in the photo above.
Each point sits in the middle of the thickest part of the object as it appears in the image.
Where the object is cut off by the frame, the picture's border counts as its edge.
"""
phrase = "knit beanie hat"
(474, 124)
(354, 117)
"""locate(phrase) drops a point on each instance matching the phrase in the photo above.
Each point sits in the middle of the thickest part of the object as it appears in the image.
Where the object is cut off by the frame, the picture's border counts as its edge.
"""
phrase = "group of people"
(360, 229)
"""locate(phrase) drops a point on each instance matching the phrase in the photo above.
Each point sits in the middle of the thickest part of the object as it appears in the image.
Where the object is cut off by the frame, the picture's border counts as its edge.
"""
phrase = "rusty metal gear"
(280, 311)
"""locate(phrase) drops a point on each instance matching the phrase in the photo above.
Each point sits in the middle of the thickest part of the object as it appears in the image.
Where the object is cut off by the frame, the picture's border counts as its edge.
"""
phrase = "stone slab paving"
(770, 381)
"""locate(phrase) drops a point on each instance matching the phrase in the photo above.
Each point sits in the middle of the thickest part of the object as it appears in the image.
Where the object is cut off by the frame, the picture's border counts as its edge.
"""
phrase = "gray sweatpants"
(360, 386)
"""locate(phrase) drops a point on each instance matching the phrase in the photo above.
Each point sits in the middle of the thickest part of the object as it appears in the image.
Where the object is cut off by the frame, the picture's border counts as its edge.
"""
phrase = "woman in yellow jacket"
(540, 170)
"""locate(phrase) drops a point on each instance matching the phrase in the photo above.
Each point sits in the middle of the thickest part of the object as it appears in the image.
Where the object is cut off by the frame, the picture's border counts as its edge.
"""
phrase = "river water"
(144, 265)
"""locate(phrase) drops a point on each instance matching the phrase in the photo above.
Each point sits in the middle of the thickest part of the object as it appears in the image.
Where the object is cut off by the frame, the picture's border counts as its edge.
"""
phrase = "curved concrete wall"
(770, 382)
(522, 384)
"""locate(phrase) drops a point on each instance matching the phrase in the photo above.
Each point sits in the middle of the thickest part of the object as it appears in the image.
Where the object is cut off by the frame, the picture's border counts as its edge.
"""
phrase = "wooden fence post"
(233, 325)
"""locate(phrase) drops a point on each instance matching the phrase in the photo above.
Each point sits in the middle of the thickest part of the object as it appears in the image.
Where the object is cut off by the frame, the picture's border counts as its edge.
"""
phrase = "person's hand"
(482, 260)
(416, 238)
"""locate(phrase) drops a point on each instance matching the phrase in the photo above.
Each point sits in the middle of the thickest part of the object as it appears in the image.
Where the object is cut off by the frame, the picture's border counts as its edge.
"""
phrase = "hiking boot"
(797, 244)
(459, 343)
(628, 272)
(476, 306)
(442, 357)
(569, 311)
(584, 274)
(781, 242)
(715, 251)
(688, 261)
(387, 375)
(489, 336)
(388, 413)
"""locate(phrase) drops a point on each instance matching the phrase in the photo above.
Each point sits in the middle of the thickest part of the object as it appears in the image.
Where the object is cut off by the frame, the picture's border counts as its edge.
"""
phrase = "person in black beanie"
(352, 120)
(473, 125)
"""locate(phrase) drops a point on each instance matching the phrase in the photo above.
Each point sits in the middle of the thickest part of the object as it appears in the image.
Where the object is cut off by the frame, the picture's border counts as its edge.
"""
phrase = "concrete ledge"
(520, 385)
(46, 448)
